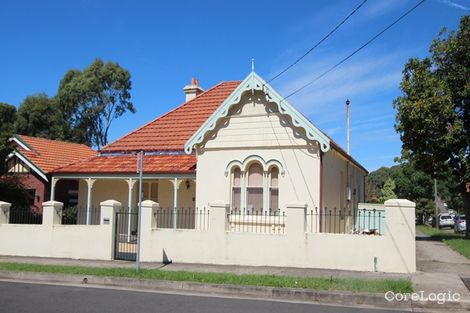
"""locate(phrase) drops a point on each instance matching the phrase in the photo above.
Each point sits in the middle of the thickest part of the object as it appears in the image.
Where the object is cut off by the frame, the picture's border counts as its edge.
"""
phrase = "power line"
(357, 50)
(318, 43)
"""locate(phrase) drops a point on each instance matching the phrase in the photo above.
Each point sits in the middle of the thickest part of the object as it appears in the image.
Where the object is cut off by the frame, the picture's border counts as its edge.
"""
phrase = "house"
(235, 175)
(238, 142)
(34, 158)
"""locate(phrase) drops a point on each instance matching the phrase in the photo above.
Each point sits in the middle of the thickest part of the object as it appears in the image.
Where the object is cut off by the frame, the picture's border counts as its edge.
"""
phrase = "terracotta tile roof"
(48, 154)
(172, 130)
(155, 164)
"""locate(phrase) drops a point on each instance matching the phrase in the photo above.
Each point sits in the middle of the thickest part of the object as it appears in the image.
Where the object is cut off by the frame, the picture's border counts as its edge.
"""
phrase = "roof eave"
(20, 142)
(29, 163)
(341, 151)
(251, 83)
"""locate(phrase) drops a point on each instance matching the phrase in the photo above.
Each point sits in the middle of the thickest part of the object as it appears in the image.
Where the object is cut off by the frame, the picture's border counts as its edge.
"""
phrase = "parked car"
(446, 220)
(460, 224)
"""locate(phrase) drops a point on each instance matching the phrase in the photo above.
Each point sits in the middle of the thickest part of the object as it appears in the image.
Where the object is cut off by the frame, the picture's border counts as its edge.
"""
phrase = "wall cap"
(297, 205)
(5, 204)
(400, 203)
(150, 203)
(52, 203)
(370, 205)
(219, 204)
(112, 203)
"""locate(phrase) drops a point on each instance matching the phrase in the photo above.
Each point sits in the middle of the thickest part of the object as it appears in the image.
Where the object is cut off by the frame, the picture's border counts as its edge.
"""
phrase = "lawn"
(456, 242)
(318, 283)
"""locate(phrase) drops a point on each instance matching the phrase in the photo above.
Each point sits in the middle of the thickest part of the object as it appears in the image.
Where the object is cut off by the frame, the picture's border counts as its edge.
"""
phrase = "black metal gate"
(125, 240)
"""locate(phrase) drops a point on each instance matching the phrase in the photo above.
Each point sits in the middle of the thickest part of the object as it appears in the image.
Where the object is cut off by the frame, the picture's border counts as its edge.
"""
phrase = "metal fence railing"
(346, 221)
(182, 218)
(257, 221)
(24, 215)
(81, 216)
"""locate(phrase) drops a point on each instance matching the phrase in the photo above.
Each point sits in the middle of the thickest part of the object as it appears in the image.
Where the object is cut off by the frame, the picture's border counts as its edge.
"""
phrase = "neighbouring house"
(34, 158)
(239, 142)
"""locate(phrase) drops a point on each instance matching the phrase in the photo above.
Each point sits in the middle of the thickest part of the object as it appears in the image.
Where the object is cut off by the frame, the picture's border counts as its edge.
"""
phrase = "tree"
(415, 185)
(375, 181)
(91, 100)
(412, 183)
(11, 187)
(388, 190)
(433, 117)
(13, 191)
(39, 116)
(7, 120)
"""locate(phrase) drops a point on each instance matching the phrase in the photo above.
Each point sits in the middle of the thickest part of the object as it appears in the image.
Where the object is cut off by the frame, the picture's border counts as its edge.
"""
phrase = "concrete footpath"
(439, 270)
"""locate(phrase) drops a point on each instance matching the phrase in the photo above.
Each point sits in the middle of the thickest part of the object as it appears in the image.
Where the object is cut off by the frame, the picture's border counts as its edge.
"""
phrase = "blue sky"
(164, 43)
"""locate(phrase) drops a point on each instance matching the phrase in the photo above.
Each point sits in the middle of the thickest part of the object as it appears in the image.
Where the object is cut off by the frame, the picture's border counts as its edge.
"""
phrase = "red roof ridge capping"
(103, 149)
(74, 163)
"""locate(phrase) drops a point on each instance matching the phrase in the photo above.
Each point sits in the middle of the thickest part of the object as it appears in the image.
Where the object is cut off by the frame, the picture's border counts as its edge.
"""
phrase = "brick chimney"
(193, 89)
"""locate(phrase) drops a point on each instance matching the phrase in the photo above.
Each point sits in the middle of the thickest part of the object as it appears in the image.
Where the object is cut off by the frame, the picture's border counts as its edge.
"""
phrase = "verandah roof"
(127, 164)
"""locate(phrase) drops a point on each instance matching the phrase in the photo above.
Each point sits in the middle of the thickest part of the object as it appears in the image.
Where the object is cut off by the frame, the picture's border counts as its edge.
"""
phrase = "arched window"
(254, 189)
(236, 188)
(274, 188)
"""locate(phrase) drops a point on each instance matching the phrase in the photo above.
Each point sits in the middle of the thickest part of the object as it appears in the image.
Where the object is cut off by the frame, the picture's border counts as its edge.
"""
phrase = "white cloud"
(378, 8)
(455, 5)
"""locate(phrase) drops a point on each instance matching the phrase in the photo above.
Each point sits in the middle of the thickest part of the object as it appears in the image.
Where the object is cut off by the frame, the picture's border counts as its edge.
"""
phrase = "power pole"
(347, 127)
(348, 180)
(435, 204)
(139, 210)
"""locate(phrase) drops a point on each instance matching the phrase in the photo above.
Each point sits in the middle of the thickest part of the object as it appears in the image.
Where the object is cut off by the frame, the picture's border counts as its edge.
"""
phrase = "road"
(16, 297)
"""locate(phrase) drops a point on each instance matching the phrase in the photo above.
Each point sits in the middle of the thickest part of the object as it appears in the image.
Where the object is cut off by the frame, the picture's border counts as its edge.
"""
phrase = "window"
(274, 189)
(236, 188)
(254, 188)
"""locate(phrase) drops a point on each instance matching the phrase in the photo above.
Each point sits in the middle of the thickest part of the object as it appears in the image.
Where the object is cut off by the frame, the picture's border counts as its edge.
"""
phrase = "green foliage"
(92, 99)
(39, 116)
(415, 185)
(13, 191)
(318, 283)
(425, 207)
(433, 116)
(388, 190)
(69, 215)
(11, 186)
(375, 181)
(7, 120)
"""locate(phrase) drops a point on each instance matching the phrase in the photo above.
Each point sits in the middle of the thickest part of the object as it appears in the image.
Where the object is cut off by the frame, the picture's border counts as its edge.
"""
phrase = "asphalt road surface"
(16, 297)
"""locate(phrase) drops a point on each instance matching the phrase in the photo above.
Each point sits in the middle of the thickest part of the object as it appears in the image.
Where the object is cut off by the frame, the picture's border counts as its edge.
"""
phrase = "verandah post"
(176, 184)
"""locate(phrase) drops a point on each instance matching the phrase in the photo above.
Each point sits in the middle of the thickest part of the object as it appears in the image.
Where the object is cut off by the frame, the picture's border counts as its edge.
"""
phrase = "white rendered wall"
(255, 128)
